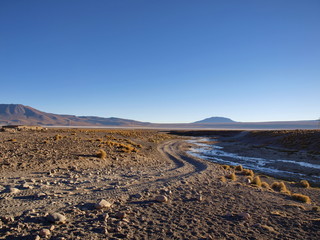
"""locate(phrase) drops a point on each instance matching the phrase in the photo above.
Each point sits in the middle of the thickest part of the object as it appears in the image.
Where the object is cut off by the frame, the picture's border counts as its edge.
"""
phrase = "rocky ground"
(55, 185)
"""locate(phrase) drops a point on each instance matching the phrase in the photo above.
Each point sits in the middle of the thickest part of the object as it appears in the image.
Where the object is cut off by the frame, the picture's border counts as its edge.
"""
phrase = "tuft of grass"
(232, 176)
(257, 181)
(247, 172)
(226, 167)
(301, 198)
(304, 183)
(223, 179)
(280, 187)
(57, 137)
(101, 154)
(265, 185)
(316, 209)
(239, 168)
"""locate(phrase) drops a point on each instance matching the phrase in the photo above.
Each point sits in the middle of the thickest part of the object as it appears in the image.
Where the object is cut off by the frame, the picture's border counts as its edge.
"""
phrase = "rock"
(40, 195)
(120, 215)
(244, 216)
(138, 196)
(14, 190)
(56, 218)
(45, 233)
(26, 186)
(199, 198)
(7, 219)
(103, 204)
(161, 198)
(37, 237)
(268, 228)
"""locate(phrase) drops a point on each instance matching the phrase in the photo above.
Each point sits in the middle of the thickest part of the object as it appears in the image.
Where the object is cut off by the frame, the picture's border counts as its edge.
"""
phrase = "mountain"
(216, 120)
(18, 114)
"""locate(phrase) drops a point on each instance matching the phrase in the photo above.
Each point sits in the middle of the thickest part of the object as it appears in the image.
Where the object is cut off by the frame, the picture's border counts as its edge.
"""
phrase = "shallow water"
(270, 167)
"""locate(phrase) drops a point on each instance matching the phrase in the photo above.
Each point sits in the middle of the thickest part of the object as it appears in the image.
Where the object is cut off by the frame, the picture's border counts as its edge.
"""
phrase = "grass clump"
(232, 176)
(280, 187)
(301, 198)
(239, 168)
(101, 154)
(316, 209)
(223, 179)
(265, 185)
(247, 172)
(257, 181)
(226, 167)
(304, 183)
(57, 137)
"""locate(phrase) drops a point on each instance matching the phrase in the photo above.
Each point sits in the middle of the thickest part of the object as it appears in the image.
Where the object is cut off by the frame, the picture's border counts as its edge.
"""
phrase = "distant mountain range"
(18, 114)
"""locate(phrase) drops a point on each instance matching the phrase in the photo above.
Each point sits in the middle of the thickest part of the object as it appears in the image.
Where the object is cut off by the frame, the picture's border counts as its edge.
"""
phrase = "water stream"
(280, 168)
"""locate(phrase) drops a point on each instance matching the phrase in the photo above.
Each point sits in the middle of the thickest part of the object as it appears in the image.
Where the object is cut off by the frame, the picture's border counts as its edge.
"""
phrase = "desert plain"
(145, 184)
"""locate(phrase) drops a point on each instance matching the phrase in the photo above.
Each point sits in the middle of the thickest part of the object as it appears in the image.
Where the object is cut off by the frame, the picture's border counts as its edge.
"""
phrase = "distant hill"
(216, 120)
(18, 114)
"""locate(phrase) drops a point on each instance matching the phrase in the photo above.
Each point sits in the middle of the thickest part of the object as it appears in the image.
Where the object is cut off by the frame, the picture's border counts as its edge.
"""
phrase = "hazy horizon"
(163, 61)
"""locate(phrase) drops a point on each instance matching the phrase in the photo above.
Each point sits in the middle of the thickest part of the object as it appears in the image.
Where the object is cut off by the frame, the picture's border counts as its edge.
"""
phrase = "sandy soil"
(58, 171)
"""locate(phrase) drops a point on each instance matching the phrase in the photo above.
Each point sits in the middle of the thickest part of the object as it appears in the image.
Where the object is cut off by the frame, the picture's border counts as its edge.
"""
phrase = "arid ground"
(53, 183)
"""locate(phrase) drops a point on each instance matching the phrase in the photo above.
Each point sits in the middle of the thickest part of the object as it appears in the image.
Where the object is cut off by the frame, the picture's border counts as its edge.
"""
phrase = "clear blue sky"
(165, 60)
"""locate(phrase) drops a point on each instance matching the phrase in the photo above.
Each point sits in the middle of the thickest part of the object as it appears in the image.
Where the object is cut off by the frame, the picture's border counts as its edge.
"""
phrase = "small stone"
(244, 216)
(161, 198)
(37, 237)
(40, 195)
(14, 190)
(120, 215)
(7, 219)
(45, 233)
(268, 228)
(138, 196)
(26, 186)
(103, 204)
(56, 218)
(105, 217)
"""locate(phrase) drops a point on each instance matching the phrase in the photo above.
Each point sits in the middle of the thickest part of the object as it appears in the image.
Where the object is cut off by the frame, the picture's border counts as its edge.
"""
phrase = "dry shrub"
(301, 198)
(265, 185)
(239, 168)
(249, 179)
(232, 176)
(101, 154)
(57, 137)
(280, 187)
(304, 183)
(247, 172)
(257, 181)
(223, 179)
(226, 167)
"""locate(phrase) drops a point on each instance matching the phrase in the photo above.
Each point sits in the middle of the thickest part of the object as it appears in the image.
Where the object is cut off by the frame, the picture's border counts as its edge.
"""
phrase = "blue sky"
(163, 61)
